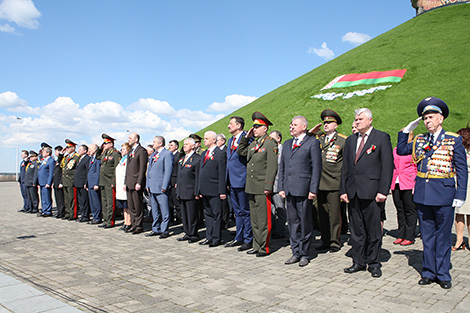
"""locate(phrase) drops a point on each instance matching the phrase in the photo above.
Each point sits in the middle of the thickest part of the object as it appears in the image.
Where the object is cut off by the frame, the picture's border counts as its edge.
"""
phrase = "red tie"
(206, 157)
(361, 146)
(233, 144)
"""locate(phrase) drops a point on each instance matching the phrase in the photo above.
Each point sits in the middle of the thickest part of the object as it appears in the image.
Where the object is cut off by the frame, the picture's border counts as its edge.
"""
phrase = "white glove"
(412, 125)
(457, 203)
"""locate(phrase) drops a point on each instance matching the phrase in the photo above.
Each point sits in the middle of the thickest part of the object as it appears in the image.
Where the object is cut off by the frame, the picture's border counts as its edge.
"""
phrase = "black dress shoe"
(261, 254)
(214, 244)
(252, 251)
(129, 230)
(108, 226)
(303, 261)
(137, 231)
(46, 215)
(184, 238)
(245, 246)
(205, 242)
(164, 235)
(334, 249)
(354, 268)
(323, 247)
(152, 234)
(93, 222)
(293, 259)
(71, 219)
(425, 281)
(84, 220)
(445, 284)
(193, 239)
(102, 225)
(233, 243)
(21, 210)
(375, 272)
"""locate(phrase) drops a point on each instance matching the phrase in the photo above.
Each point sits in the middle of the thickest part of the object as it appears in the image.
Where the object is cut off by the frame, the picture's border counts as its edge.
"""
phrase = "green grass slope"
(434, 48)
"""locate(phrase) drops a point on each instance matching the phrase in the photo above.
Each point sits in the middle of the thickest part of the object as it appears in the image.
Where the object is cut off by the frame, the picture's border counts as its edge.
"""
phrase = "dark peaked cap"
(433, 105)
(196, 137)
(331, 116)
(45, 145)
(107, 138)
(70, 143)
(259, 119)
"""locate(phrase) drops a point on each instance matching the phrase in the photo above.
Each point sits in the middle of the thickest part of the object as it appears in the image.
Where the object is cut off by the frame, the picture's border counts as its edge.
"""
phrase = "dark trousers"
(135, 202)
(366, 231)
(59, 200)
(213, 217)
(108, 204)
(175, 210)
(344, 217)
(241, 211)
(95, 203)
(33, 199)
(189, 217)
(435, 224)
(46, 200)
(83, 203)
(406, 213)
(329, 213)
(299, 217)
(24, 194)
(260, 214)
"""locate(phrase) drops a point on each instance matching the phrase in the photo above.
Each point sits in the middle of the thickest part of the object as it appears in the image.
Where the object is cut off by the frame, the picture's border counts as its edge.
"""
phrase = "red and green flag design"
(370, 78)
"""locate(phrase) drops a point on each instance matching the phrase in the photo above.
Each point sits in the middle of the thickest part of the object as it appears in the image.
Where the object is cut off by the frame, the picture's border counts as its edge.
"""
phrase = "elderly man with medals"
(441, 185)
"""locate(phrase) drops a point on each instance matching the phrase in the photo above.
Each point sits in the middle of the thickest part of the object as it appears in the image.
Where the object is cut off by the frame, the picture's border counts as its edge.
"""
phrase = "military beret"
(33, 153)
(330, 116)
(433, 105)
(196, 137)
(259, 119)
(107, 138)
(69, 143)
(45, 145)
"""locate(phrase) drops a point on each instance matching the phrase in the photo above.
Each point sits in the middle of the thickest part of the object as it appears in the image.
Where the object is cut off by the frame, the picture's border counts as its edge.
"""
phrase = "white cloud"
(104, 111)
(21, 12)
(155, 106)
(323, 52)
(5, 28)
(356, 38)
(11, 101)
(231, 103)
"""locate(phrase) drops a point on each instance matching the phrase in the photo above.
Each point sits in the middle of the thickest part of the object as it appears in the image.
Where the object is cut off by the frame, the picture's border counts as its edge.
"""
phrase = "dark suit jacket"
(57, 176)
(31, 174)
(22, 171)
(136, 168)
(300, 168)
(93, 177)
(236, 165)
(212, 174)
(81, 172)
(188, 174)
(174, 173)
(373, 171)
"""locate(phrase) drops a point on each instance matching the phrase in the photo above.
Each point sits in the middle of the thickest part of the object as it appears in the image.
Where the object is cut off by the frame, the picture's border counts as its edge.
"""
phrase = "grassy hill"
(435, 49)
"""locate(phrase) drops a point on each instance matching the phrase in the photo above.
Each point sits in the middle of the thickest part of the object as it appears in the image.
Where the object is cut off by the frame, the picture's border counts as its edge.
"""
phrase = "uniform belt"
(426, 175)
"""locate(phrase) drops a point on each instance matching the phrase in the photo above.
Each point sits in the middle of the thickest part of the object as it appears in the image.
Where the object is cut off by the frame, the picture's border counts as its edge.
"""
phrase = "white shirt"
(365, 139)
(299, 139)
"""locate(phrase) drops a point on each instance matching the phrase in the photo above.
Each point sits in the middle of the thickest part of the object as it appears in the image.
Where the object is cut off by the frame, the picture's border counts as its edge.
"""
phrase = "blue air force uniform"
(441, 178)
(45, 174)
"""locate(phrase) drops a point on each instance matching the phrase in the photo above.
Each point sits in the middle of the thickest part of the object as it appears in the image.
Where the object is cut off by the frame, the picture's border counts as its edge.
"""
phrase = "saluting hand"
(412, 125)
(315, 129)
(250, 133)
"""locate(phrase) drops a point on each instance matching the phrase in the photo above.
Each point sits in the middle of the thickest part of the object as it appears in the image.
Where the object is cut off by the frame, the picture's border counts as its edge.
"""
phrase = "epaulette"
(452, 134)
(75, 154)
(342, 136)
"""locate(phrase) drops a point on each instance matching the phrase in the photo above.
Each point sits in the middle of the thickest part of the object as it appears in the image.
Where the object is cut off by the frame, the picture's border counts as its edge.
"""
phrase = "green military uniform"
(68, 164)
(329, 204)
(261, 157)
(109, 160)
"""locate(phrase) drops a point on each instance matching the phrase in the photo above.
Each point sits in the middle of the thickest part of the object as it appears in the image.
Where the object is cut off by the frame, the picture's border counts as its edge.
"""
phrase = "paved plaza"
(51, 265)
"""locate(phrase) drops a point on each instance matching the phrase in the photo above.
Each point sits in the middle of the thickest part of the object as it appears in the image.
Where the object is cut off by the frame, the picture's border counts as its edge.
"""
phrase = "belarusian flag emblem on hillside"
(370, 78)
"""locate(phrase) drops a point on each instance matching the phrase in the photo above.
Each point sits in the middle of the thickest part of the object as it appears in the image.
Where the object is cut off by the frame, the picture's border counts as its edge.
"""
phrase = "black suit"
(186, 185)
(211, 185)
(362, 181)
(79, 182)
(173, 201)
(58, 192)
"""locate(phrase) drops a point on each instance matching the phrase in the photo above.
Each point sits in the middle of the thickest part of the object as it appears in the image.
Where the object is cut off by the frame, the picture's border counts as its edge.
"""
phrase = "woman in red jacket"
(403, 182)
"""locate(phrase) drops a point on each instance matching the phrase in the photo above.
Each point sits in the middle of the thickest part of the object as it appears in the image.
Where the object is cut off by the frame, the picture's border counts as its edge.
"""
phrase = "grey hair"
(363, 110)
(221, 136)
(211, 134)
(160, 139)
(301, 118)
(191, 141)
(48, 150)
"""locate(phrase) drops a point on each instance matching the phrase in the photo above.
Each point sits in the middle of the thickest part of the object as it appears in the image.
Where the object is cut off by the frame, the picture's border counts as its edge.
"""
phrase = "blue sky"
(76, 69)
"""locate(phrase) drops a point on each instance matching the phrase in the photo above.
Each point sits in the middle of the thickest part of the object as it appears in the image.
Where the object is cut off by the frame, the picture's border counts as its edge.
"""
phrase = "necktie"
(361, 146)
(295, 143)
(233, 144)
(431, 139)
(206, 157)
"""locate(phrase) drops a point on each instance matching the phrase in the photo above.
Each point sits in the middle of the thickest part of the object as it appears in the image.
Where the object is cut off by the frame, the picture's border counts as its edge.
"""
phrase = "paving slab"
(52, 265)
